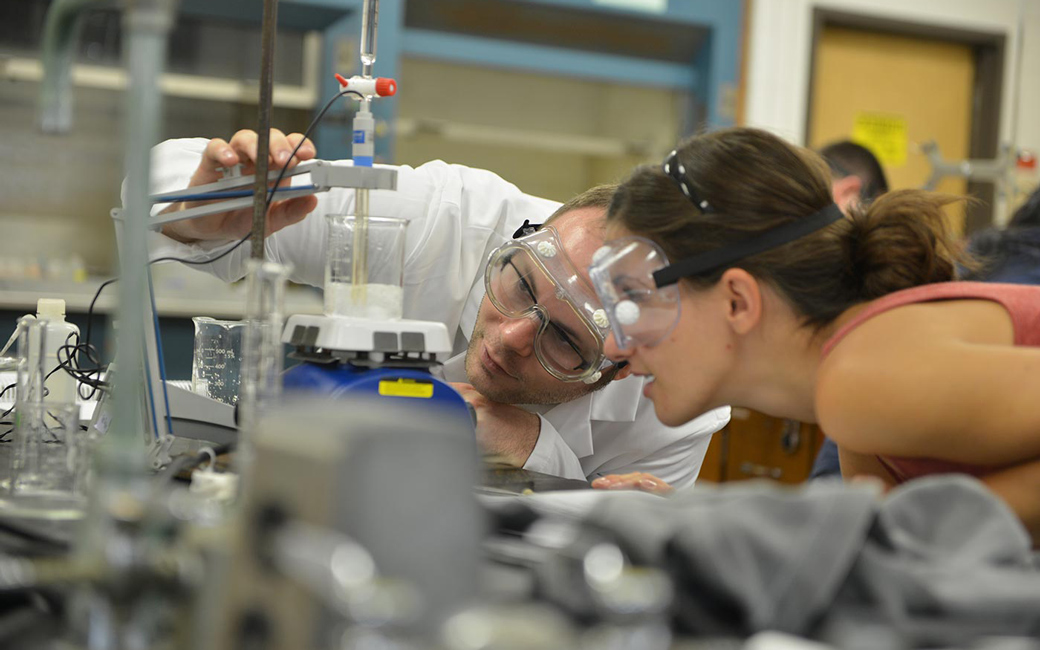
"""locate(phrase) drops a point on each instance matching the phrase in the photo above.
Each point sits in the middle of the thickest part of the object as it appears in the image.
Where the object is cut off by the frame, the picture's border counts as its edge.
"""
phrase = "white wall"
(780, 51)
(1028, 117)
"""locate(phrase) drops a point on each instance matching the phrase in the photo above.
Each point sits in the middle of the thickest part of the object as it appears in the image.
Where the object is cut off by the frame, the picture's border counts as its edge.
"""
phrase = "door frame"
(989, 51)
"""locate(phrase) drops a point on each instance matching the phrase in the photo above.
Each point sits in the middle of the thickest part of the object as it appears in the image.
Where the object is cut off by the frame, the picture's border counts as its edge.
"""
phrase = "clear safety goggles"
(532, 277)
(638, 286)
(640, 312)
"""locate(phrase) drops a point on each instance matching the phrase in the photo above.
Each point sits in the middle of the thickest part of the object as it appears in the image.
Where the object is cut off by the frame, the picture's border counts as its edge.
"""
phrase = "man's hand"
(237, 223)
(633, 481)
(503, 430)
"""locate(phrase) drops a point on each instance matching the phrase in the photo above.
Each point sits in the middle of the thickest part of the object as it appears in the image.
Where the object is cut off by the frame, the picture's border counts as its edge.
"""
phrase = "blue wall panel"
(547, 60)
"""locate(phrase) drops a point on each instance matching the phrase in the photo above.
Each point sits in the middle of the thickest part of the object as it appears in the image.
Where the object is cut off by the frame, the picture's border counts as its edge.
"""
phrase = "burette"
(364, 130)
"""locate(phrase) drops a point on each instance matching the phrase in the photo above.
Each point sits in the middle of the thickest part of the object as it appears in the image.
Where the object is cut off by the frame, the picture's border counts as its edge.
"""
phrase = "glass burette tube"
(369, 29)
(359, 259)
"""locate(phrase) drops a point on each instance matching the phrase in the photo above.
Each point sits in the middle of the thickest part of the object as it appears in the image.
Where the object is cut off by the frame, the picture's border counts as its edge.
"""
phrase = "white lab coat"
(458, 215)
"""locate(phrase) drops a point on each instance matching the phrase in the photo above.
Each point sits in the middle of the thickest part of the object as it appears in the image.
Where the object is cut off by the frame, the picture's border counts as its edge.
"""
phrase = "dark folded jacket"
(940, 560)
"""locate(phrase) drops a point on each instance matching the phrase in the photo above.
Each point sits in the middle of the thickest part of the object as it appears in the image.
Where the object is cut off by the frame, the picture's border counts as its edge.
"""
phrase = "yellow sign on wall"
(884, 134)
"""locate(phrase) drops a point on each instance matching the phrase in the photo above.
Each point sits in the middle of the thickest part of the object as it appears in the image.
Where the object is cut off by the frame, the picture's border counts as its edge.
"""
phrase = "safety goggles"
(532, 277)
(638, 286)
(639, 311)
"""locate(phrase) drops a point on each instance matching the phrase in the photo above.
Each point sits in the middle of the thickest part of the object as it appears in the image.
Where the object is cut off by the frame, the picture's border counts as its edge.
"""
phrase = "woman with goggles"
(732, 278)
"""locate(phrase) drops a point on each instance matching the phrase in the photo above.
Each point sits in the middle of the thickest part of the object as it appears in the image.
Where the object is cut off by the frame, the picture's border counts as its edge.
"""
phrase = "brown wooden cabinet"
(754, 445)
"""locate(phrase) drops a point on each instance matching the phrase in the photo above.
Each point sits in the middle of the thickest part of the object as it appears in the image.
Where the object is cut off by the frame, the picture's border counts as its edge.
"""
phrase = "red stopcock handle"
(378, 87)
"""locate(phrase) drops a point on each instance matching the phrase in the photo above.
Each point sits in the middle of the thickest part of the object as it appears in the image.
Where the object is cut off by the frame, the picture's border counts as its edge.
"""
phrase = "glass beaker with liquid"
(217, 361)
(50, 454)
(364, 269)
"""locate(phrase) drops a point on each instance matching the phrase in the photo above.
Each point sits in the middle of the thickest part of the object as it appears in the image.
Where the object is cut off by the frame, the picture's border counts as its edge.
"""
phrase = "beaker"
(50, 457)
(373, 290)
(217, 361)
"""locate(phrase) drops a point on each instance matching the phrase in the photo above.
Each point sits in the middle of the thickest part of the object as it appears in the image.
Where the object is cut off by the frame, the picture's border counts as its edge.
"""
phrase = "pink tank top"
(1023, 305)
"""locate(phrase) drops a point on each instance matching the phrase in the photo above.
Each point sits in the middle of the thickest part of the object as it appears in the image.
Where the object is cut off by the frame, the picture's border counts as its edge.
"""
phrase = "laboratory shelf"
(460, 48)
(688, 45)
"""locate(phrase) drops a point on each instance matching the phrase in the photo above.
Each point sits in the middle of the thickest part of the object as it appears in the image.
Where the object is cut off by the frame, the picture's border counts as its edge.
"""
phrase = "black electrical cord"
(90, 311)
(90, 376)
(71, 357)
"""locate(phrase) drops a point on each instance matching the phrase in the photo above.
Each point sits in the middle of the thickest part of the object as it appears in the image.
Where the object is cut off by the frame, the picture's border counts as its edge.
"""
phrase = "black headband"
(675, 169)
(769, 239)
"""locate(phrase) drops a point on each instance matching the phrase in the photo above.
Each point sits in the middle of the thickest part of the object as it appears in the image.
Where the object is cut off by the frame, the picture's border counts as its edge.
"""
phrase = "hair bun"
(900, 241)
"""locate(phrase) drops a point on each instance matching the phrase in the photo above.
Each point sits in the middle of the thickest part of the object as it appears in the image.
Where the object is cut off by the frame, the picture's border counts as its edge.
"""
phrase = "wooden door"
(864, 79)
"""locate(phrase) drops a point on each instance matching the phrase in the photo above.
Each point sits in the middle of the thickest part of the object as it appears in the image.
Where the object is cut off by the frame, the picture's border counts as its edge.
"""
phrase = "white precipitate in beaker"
(364, 267)
(379, 301)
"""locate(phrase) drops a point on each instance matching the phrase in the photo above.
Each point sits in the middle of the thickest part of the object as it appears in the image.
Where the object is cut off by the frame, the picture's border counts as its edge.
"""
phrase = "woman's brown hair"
(753, 182)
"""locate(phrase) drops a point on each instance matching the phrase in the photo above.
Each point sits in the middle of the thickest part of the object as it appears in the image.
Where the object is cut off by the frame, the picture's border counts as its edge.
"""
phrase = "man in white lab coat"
(458, 216)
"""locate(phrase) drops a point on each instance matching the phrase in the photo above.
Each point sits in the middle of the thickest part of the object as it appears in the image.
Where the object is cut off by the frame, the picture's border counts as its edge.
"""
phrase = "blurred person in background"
(1011, 254)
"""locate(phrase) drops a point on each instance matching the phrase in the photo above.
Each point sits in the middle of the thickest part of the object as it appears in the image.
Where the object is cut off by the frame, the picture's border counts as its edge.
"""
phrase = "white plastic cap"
(593, 378)
(50, 308)
(627, 312)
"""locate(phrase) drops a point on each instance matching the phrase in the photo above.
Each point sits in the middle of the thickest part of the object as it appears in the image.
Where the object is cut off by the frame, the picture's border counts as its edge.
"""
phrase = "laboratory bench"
(503, 479)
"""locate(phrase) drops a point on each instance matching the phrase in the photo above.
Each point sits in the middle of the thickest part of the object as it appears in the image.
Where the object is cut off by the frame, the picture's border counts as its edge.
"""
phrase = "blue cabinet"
(292, 14)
